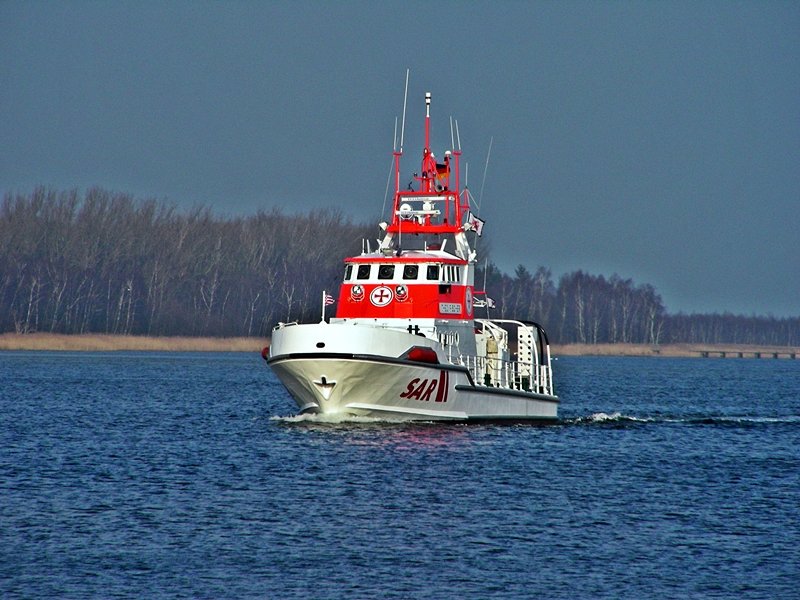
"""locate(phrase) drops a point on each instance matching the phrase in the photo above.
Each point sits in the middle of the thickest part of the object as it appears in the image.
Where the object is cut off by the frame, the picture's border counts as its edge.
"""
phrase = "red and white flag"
(328, 299)
(475, 223)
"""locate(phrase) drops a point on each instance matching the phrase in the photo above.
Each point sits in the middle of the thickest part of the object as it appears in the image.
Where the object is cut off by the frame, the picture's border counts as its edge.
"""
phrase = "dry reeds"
(107, 343)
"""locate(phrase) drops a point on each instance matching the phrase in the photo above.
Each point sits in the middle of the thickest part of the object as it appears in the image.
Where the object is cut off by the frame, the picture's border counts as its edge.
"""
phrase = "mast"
(398, 154)
(437, 207)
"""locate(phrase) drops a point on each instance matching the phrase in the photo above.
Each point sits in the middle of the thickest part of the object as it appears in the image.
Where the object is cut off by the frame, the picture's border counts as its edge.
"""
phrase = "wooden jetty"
(716, 353)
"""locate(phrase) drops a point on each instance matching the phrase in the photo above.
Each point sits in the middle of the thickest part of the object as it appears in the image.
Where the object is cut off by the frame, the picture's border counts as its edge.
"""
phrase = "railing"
(528, 369)
(508, 374)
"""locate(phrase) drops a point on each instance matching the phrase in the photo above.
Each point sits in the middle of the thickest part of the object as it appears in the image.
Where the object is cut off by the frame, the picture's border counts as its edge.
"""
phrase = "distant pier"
(791, 354)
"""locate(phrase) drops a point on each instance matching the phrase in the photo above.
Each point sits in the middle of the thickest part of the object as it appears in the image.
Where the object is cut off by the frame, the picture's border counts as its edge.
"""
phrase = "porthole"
(386, 272)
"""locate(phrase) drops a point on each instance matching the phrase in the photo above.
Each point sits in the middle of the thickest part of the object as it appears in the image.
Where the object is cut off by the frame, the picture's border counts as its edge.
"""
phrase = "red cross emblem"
(381, 296)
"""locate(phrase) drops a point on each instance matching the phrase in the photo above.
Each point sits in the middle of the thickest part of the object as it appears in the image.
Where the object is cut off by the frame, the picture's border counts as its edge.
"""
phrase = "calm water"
(173, 475)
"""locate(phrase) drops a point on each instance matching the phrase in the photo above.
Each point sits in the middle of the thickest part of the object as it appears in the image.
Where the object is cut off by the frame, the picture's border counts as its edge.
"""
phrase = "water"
(183, 476)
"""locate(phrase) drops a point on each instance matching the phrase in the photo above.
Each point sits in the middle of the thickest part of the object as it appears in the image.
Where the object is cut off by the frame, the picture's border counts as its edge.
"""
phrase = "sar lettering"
(420, 389)
(410, 389)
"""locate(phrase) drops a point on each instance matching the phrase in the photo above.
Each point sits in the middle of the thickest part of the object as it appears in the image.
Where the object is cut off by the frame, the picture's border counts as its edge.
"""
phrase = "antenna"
(486, 295)
(394, 139)
(485, 168)
(472, 200)
(428, 136)
(458, 137)
(452, 140)
(405, 99)
(388, 181)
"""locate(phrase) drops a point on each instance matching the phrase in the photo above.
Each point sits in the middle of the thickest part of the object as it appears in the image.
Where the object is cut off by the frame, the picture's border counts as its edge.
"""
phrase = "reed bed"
(109, 343)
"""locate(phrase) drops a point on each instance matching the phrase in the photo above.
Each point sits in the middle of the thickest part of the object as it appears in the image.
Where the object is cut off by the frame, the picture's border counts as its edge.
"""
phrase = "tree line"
(592, 309)
(105, 262)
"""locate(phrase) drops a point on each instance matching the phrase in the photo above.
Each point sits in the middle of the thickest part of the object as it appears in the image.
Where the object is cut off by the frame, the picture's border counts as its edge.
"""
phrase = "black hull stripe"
(368, 358)
(507, 392)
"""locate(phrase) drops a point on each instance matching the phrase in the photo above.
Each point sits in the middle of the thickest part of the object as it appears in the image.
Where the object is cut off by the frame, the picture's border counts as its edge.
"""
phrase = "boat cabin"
(420, 284)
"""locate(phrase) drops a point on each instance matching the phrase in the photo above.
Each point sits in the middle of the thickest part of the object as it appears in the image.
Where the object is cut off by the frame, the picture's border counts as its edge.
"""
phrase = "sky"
(656, 140)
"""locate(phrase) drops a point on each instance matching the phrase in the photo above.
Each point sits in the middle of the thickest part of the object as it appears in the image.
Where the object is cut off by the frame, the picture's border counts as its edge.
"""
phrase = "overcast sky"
(656, 140)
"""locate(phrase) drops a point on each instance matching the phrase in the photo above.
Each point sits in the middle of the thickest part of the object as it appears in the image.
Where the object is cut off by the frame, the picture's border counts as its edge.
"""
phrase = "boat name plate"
(449, 308)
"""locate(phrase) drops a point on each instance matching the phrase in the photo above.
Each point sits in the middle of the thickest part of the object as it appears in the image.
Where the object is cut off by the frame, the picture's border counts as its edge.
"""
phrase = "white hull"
(335, 380)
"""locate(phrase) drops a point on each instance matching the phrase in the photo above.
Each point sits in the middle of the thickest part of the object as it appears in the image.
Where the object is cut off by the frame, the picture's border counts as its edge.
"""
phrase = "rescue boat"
(406, 342)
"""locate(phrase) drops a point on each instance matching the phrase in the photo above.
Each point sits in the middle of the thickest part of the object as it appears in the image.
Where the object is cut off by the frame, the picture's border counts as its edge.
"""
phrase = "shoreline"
(101, 342)
(677, 350)
(54, 342)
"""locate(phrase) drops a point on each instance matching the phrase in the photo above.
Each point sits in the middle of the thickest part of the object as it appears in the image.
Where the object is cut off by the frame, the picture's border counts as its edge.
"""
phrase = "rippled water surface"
(185, 475)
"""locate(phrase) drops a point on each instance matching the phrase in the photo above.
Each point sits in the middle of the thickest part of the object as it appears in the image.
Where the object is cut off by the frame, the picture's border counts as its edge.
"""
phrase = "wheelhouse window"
(363, 272)
(433, 272)
(410, 271)
(348, 272)
(451, 273)
(386, 272)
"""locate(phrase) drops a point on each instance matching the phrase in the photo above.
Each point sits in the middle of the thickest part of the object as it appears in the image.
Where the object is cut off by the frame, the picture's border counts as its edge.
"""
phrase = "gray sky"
(657, 140)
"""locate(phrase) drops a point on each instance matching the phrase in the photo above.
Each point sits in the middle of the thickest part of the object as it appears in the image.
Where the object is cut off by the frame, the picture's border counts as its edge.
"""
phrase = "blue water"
(174, 476)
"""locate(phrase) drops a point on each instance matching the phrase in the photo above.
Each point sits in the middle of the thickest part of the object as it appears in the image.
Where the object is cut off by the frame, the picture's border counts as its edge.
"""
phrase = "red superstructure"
(412, 275)
(436, 191)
